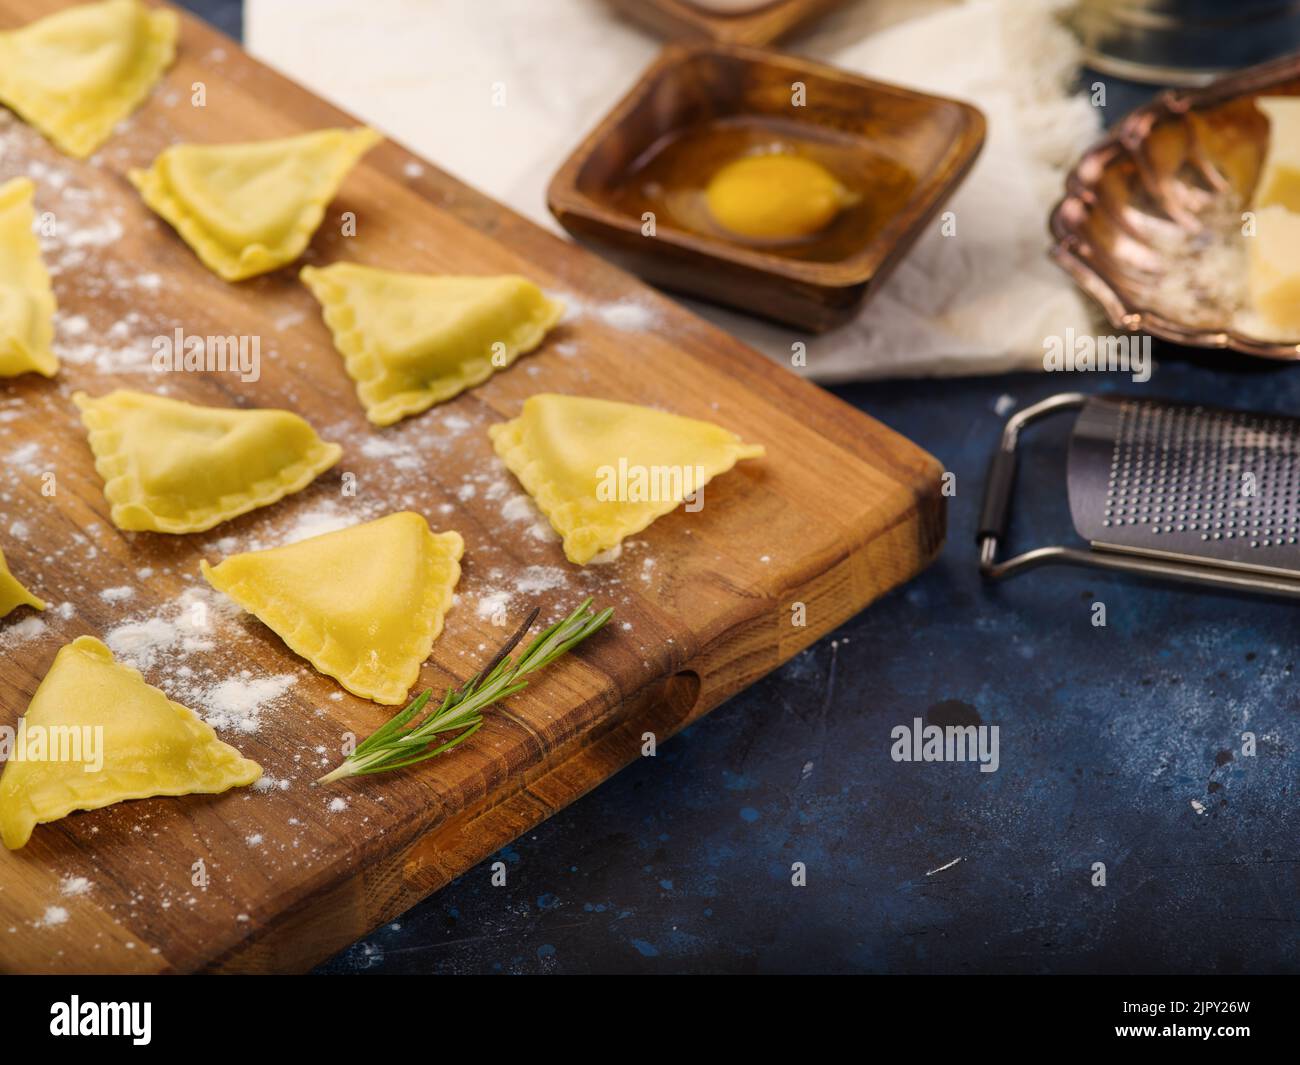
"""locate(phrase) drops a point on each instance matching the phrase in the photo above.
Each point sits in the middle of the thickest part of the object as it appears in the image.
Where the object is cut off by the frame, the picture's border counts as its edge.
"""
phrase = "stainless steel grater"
(1165, 489)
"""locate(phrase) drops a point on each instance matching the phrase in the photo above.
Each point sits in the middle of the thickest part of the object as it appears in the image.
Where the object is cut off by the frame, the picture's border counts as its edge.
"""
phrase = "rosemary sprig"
(399, 743)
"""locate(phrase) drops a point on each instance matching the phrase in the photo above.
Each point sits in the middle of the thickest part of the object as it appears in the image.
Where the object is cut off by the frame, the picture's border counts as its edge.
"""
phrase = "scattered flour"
(493, 604)
(625, 315)
(613, 554)
(495, 601)
(75, 885)
(238, 702)
(22, 632)
(518, 508)
(178, 628)
(25, 457)
(536, 579)
(329, 517)
(193, 624)
(542, 531)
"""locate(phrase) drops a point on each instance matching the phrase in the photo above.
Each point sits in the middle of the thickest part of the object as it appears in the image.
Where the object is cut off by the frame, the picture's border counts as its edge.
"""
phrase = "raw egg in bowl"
(777, 196)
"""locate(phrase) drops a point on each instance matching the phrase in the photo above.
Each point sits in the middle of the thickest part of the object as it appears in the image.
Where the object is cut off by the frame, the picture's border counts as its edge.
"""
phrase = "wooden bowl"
(1151, 212)
(902, 152)
(682, 20)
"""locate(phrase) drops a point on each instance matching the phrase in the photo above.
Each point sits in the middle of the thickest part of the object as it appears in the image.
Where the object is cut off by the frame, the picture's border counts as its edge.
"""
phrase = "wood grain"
(841, 510)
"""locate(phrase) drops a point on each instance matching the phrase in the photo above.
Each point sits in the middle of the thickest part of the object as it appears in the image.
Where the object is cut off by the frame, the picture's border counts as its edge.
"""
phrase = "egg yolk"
(775, 197)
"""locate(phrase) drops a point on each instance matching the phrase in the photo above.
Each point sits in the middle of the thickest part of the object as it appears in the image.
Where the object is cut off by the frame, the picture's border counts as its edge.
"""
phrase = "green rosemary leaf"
(395, 724)
(413, 734)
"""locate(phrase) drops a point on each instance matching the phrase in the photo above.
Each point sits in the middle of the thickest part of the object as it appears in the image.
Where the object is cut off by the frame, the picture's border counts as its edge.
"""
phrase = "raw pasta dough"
(176, 467)
(26, 299)
(76, 74)
(249, 208)
(413, 340)
(363, 605)
(601, 470)
(150, 745)
(12, 593)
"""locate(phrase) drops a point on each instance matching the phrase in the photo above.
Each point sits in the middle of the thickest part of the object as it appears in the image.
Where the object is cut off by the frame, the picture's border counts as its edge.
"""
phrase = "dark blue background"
(682, 862)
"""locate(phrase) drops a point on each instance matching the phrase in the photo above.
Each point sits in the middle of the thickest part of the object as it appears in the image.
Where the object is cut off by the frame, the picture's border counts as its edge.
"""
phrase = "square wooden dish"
(910, 151)
(681, 20)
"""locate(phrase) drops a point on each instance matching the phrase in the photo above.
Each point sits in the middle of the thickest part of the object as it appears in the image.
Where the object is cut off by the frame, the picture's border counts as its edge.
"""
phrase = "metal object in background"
(1168, 179)
(1168, 490)
(1183, 42)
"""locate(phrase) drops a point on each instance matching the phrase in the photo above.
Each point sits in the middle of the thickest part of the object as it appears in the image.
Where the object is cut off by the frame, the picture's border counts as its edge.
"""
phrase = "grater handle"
(995, 512)
(999, 482)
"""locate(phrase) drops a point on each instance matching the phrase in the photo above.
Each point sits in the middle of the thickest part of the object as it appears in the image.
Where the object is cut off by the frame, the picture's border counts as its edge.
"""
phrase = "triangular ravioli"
(601, 470)
(149, 745)
(176, 467)
(76, 74)
(249, 208)
(26, 299)
(413, 340)
(12, 593)
(363, 605)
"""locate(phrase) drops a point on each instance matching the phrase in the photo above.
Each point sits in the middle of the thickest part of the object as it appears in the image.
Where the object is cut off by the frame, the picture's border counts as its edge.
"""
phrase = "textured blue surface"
(1108, 737)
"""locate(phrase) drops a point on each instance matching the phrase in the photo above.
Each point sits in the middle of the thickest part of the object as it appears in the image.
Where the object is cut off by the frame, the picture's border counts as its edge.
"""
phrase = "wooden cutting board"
(278, 877)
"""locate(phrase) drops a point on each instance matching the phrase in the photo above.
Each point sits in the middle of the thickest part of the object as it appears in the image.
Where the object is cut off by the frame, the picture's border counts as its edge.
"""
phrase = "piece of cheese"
(1274, 276)
(1279, 180)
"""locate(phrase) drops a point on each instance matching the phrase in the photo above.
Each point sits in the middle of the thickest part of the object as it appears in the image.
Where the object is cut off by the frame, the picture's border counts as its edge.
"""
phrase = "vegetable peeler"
(1163, 489)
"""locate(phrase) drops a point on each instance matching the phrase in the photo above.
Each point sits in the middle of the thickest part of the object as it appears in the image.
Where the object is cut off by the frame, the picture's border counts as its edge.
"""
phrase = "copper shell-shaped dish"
(1169, 177)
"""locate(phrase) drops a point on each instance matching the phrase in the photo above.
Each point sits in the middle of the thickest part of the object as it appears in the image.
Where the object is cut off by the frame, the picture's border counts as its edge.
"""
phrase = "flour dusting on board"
(626, 315)
(173, 644)
(80, 227)
(26, 457)
(22, 631)
(238, 702)
(178, 629)
(73, 886)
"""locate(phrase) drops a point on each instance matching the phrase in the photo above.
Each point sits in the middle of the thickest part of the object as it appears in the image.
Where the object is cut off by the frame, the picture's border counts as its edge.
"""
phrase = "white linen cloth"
(427, 72)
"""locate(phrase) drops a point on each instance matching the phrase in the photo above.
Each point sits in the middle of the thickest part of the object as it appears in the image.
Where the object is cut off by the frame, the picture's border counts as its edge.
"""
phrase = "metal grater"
(1165, 489)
